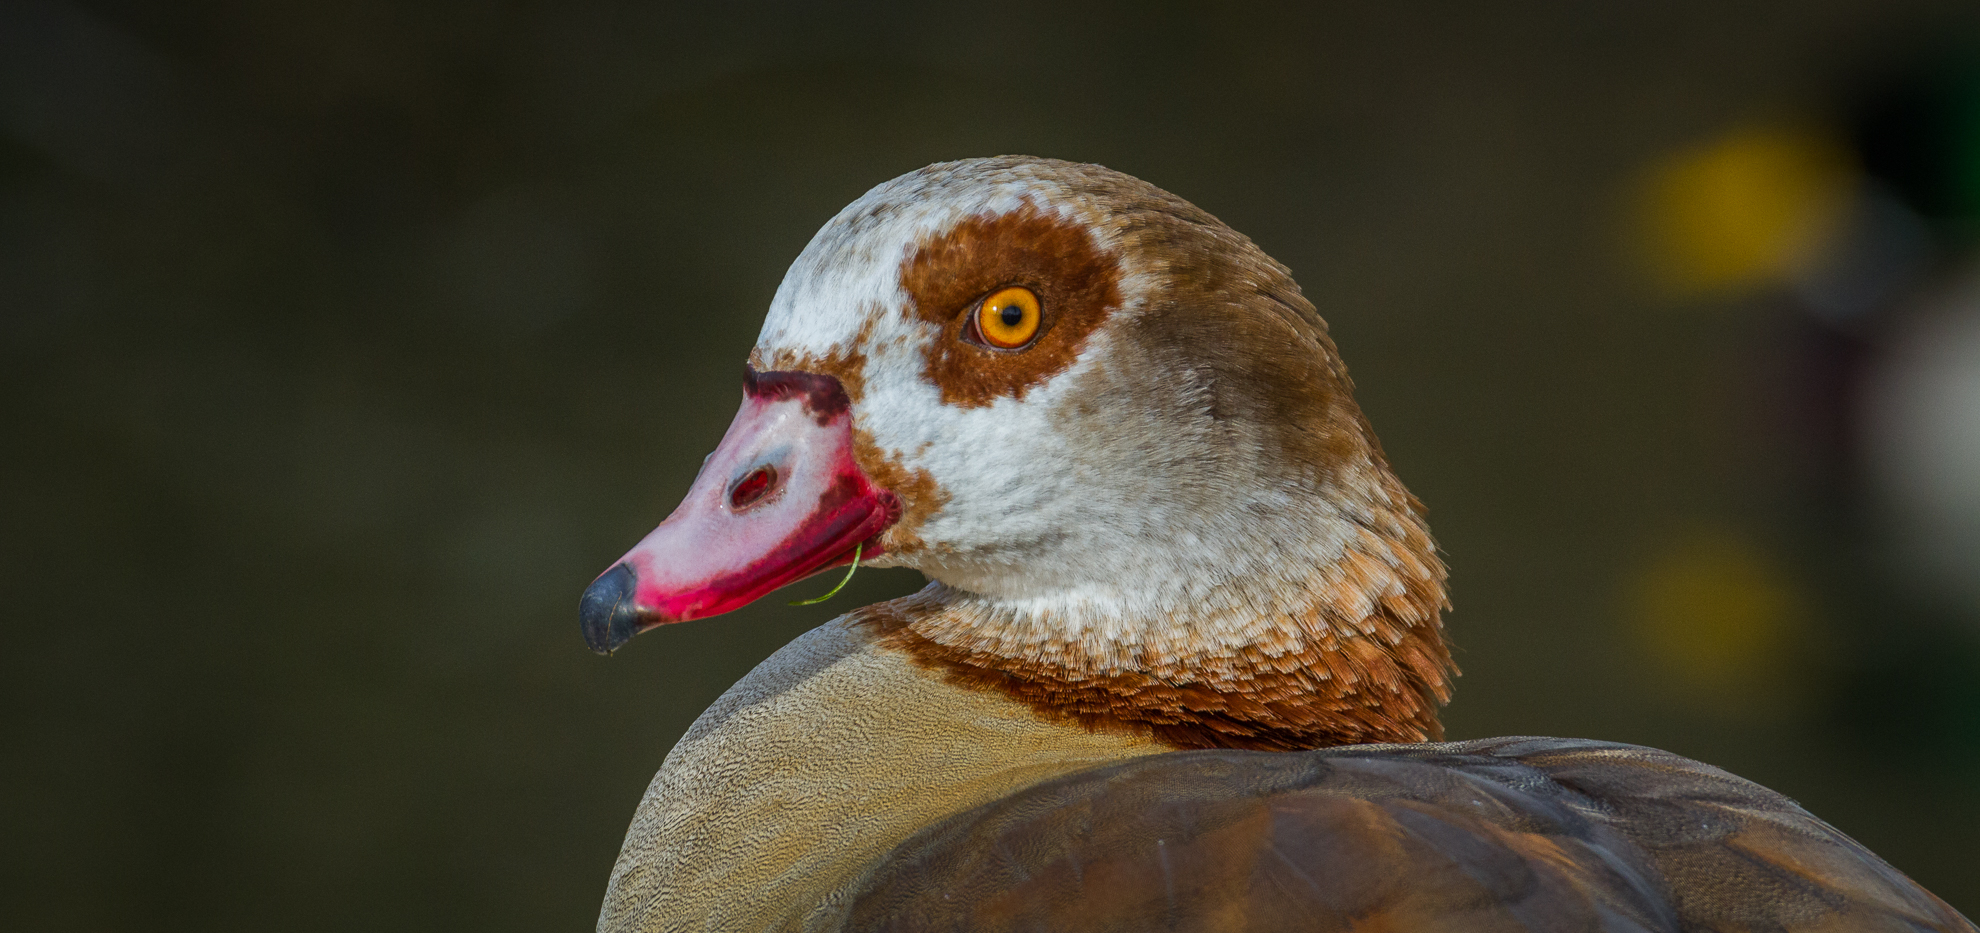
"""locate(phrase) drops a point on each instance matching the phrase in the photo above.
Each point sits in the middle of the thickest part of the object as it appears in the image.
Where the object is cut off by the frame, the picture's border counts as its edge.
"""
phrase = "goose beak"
(780, 499)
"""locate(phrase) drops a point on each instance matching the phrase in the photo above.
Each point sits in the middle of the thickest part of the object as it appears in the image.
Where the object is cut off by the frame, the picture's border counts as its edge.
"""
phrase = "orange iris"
(1008, 319)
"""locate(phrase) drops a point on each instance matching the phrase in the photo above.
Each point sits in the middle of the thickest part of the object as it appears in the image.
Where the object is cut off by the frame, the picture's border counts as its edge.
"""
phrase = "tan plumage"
(1175, 584)
(812, 768)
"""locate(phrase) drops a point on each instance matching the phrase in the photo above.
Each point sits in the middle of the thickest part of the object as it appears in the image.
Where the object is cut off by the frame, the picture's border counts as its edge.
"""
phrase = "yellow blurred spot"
(1718, 616)
(1743, 210)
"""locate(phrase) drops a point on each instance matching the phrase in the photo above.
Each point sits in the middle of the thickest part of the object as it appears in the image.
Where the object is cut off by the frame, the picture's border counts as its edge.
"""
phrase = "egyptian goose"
(1180, 659)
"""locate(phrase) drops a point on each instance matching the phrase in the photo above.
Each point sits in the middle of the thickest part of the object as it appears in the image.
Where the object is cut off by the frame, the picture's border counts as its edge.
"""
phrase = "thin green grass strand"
(857, 550)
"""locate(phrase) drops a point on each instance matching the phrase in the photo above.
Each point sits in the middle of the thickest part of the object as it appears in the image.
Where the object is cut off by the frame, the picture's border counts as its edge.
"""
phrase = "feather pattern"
(1510, 834)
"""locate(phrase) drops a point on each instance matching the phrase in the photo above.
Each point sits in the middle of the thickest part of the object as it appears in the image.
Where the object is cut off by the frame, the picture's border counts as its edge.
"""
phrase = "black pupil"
(1011, 314)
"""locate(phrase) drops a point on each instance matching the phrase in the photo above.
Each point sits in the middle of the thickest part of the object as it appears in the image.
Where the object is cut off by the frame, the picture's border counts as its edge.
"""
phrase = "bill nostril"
(753, 487)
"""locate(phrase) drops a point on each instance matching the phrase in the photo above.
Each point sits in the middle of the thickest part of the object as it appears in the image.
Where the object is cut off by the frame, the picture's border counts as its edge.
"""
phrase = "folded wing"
(1510, 834)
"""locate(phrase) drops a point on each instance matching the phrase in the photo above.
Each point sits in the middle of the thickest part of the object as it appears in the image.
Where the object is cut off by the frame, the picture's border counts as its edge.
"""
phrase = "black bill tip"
(607, 614)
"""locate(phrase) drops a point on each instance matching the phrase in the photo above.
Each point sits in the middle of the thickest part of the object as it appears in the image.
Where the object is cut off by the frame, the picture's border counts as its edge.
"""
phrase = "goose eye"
(1008, 319)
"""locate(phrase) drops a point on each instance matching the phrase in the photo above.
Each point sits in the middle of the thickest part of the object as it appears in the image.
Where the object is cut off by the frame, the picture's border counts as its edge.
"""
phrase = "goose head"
(1111, 432)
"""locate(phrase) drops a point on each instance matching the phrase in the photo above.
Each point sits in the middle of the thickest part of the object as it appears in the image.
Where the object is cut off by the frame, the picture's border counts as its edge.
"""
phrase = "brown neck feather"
(1364, 660)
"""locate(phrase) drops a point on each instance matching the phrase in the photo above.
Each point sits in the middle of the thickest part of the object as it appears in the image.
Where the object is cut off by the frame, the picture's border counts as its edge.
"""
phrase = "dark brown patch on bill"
(1077, 284)
(847, 366)
(823, 396)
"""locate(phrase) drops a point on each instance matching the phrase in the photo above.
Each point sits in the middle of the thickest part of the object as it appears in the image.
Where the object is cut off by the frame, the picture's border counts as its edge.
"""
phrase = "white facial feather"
(1094, 530)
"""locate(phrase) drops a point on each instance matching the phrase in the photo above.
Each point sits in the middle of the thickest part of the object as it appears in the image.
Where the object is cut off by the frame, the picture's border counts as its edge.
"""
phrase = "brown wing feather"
(1501, 834)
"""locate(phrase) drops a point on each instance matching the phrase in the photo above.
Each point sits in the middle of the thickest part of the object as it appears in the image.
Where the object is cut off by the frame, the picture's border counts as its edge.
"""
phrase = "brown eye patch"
(1077, 286)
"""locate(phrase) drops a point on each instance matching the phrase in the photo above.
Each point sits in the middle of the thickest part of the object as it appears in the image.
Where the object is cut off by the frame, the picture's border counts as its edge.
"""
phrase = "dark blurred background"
(344, 343)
